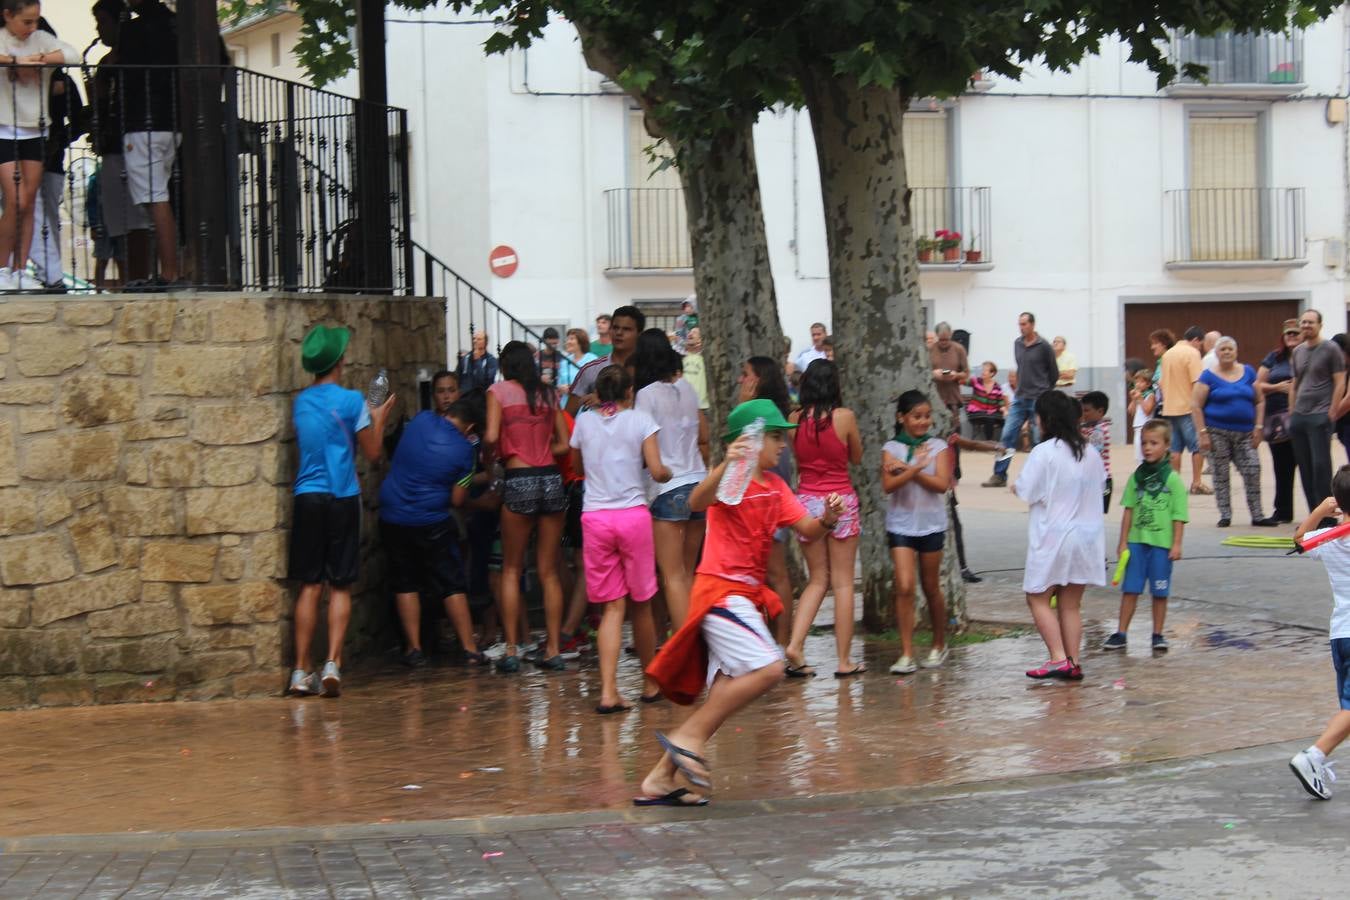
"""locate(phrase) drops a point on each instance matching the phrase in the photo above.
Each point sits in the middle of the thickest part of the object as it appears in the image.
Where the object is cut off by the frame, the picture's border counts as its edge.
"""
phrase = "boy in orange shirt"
(725, 643)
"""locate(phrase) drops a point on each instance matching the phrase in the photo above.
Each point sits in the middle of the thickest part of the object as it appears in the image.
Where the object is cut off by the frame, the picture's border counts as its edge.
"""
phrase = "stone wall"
(146, 455)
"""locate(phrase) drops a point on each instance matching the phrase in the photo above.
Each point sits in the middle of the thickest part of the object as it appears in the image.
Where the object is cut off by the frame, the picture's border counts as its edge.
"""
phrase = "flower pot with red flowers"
(925, 247)
(949, 242)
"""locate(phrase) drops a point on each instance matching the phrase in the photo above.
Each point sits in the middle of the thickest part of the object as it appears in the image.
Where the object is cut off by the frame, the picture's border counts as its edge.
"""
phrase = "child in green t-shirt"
(1154, 516)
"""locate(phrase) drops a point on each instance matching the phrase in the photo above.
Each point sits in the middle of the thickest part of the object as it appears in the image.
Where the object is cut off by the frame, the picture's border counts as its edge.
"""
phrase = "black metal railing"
(648, 229)
(940, 213)
(1222, 225)
(470, 312)
(214, 177)
(1238, 59)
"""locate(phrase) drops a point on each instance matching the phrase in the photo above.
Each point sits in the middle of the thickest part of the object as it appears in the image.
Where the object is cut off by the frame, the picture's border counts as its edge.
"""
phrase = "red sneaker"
(1062, 669)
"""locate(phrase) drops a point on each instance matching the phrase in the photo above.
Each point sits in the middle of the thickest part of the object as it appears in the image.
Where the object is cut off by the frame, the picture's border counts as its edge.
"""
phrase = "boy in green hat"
(331, 422)
(725, 643)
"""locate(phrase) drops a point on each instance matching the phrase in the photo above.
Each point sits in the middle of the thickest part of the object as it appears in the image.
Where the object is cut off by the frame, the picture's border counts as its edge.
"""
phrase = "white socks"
(1316, 755)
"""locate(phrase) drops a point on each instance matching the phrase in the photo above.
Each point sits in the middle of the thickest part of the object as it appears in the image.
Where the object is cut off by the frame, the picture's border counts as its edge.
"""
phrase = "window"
(1225, 181)
(648, 224)
(276, 50)
(928, 171)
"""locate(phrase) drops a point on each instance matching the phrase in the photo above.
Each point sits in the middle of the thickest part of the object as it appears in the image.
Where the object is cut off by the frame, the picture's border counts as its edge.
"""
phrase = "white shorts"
(738, 639)
(149, 161)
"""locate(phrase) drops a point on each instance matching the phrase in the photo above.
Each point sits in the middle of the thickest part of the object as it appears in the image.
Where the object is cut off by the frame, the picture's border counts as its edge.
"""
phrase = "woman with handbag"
(1229, 415)
(1275, 382)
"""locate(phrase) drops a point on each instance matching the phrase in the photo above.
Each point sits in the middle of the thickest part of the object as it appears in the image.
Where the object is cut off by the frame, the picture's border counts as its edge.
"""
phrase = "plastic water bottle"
(736, 477)
(378, 392)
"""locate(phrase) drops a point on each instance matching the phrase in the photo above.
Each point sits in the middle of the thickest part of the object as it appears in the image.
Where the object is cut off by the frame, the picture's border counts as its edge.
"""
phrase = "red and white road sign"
(503, 261)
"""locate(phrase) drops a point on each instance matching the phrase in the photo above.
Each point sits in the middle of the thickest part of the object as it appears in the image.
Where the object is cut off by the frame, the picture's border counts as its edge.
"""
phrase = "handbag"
(1275, 429)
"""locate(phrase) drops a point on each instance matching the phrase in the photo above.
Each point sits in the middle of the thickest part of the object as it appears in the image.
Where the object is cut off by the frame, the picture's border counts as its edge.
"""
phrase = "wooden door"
(1254, 324)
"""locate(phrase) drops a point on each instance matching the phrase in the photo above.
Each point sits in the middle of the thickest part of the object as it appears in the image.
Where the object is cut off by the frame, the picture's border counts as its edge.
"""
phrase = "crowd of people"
(606, 483)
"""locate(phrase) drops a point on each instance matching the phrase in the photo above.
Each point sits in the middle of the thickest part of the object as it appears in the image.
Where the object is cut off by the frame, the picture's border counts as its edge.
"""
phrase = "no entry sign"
(503, 261)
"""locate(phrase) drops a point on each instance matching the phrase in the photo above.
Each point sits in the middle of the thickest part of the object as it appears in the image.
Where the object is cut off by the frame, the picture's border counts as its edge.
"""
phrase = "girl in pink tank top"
(825, 443)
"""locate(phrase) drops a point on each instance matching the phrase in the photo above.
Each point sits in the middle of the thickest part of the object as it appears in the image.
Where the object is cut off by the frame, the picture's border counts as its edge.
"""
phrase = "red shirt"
(740, 537)
(525, 434)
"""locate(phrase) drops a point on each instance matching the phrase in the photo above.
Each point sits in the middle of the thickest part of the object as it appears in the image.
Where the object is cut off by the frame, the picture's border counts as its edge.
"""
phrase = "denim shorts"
(922, 543)
(1340, 660)
(673, 506)
(1149, 567)
(1183, 434)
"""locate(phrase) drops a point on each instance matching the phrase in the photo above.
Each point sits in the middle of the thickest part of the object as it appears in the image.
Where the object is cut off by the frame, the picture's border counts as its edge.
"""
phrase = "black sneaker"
(551, 664)
(1116, 641)
(415, 659)
(1159, 644)
(970, 577)
(508, 665)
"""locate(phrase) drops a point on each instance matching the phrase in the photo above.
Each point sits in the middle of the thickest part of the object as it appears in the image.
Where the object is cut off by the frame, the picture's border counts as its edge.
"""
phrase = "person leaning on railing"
(27, 54)
(67, 122)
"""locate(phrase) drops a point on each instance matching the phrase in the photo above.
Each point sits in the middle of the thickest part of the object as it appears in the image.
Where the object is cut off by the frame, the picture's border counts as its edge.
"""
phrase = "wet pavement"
(398, 788)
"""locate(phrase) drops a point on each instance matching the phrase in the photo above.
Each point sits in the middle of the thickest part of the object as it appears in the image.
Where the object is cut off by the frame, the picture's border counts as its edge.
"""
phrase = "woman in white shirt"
(683, 438)
(1062, 482)
(24, 117)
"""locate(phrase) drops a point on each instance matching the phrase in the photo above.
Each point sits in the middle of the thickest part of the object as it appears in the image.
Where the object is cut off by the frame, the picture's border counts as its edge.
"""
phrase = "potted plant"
(973, 255)
(949, 242)
(925, 246)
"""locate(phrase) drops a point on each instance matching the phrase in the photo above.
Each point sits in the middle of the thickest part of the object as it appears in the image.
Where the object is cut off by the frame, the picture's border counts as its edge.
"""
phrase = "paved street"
(968, 781)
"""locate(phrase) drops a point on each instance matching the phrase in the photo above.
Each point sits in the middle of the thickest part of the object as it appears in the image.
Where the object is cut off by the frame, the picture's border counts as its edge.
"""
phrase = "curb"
(143, 842)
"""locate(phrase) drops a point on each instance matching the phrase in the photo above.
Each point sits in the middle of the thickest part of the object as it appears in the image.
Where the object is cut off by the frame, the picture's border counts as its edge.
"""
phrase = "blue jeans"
(1021, 410)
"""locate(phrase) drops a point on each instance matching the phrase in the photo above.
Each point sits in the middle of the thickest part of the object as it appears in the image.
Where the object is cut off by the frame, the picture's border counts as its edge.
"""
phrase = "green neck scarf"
(1151, 478)
(910, 441)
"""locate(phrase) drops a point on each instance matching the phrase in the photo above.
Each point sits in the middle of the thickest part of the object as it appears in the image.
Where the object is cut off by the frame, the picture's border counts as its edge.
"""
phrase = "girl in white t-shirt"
(610, 445)
(1062, 482)
(673, 403)
(916, 472)
(1141, 406)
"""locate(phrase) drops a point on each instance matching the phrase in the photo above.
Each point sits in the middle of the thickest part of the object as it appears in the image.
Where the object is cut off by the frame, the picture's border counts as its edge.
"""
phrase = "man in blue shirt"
(431, 471)
(331, 423)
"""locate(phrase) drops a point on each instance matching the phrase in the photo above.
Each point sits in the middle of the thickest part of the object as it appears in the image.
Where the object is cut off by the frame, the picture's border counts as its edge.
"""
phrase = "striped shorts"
(738, 639)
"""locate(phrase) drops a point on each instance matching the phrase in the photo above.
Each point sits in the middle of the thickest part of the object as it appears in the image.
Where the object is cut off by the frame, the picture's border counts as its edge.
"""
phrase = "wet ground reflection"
(446, 743)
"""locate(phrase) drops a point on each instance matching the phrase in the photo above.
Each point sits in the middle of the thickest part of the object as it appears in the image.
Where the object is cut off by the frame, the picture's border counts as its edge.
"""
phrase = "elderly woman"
(1228, 412)
(1275, 382)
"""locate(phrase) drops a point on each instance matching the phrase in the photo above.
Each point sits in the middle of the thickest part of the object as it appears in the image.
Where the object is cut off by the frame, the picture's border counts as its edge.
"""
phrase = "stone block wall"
(146, 456)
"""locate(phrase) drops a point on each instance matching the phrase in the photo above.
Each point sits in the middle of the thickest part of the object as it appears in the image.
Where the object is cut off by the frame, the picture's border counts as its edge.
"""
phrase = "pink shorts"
(849, 524)
(619, 554)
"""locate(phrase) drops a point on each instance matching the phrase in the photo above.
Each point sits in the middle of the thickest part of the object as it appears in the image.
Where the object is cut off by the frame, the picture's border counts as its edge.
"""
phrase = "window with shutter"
(927, 170)
(1225, 181)
(657, 226)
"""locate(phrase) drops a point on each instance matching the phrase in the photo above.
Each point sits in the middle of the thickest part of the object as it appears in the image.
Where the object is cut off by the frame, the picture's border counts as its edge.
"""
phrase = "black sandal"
(678, 755)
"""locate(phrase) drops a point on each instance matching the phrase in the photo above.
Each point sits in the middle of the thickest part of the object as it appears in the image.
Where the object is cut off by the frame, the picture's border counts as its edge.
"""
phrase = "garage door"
(1254, 324)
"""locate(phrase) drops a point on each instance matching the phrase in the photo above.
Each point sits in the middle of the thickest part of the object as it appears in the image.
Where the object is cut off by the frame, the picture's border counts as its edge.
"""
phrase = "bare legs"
(1061, 629)
(777, 577)
(307, 616)
(16, 222)
(610, 640)
(830, 563)
(929, 566)
(1127, 604)
(676, 575)
(515, 538)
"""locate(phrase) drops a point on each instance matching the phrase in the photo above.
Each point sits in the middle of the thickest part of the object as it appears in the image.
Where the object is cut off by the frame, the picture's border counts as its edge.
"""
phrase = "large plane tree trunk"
(877, 312)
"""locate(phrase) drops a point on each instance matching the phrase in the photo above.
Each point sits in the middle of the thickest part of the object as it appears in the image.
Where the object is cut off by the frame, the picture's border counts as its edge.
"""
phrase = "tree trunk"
(737, 307)
(877, 312)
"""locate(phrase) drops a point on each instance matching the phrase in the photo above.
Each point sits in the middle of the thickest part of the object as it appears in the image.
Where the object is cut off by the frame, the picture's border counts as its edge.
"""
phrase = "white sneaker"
(7, 280)
(935, 658)
(1315, 777)
(331, 679)
(904, 666)
(496, 651)
(302, 683)
(25, 282)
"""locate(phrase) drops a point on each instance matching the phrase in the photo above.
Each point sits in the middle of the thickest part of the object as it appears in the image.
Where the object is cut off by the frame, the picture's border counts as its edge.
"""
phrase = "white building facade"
(1103, 205)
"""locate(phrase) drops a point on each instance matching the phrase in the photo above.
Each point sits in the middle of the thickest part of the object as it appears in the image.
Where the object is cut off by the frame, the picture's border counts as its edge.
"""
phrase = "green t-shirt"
(1155, 513)
(601, 349)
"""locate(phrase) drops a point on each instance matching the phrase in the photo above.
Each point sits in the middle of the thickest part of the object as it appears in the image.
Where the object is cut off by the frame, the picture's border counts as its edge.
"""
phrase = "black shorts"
(924, 543)
(325, 539)
(576, 497)
(28, 149)
(424, 559)
(534, 491)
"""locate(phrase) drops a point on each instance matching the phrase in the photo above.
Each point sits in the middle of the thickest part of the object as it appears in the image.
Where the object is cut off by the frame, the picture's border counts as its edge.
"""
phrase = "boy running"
(1153, 518)
(725, 644)
(1311, 765)
(331, 422)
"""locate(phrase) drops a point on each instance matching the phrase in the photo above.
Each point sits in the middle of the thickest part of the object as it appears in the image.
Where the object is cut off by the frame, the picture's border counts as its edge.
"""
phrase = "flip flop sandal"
(674, 798)
(1201, 490)
(859, 669)
(678, 755)
(805, 670)
(610, 710)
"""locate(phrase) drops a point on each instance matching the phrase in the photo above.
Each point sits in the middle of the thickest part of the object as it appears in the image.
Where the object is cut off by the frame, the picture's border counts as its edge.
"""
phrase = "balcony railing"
(272, 185)
(648, 229)
(1271, 62)
(964, 210)
(1235, 226)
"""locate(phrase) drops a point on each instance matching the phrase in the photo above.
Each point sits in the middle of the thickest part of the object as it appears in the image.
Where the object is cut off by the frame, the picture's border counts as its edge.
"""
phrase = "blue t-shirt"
(432, 457)
(327, 418)
(1231, 405)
